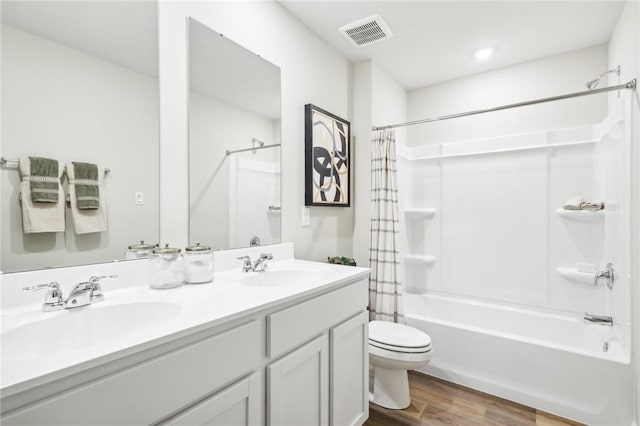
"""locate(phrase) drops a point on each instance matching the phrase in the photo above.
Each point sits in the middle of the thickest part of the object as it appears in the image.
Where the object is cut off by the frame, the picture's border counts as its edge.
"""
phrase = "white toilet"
(394, 349)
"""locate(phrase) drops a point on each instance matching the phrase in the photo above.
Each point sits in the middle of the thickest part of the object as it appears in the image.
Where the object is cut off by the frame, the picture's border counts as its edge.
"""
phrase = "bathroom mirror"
(80, 84)
(234, 143)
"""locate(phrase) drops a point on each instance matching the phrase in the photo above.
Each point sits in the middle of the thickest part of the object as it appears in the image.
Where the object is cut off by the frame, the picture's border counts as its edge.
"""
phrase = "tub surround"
(238, 325)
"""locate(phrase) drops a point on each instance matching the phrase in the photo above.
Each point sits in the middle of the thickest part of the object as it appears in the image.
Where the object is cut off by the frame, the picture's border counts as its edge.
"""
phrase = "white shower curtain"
(385, 290)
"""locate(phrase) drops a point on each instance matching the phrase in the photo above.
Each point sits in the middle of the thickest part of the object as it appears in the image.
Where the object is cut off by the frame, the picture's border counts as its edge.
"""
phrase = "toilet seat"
(400, 349)
(399, 338)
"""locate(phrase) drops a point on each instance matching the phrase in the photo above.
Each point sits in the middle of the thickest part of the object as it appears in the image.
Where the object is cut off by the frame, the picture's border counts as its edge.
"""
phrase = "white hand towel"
(87, 221)
(573, 203)
(39, 217)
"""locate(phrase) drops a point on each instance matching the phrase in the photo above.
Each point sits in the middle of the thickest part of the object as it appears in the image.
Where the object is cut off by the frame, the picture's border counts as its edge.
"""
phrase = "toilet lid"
(390, 334)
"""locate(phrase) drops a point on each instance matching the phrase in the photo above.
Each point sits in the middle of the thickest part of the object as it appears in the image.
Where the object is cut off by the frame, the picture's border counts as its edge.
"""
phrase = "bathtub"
(553, 362)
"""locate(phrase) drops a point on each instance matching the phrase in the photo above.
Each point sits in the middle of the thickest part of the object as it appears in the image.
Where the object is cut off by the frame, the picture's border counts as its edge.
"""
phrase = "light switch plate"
(139, 200)
(306, 216)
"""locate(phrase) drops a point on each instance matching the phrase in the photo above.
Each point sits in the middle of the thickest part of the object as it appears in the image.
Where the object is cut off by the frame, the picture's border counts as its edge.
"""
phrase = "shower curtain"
(385, 290)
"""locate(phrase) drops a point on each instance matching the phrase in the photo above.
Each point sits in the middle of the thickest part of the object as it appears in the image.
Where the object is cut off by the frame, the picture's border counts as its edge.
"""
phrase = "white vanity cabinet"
(148, 391)
(302, 361)
(325, 381)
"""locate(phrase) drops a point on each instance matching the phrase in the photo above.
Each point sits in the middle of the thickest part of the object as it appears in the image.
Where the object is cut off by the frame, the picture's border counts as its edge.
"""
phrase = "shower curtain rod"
(253, 149)
(631, 85)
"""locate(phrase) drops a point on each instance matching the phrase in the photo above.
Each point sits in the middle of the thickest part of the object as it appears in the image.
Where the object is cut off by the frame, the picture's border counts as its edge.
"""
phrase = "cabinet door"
(237, 405)
(350, 371)
(298, 386)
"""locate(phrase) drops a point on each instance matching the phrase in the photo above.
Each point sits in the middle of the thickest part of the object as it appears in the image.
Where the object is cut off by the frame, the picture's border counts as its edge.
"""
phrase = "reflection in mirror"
(79, 84)
(234, 143)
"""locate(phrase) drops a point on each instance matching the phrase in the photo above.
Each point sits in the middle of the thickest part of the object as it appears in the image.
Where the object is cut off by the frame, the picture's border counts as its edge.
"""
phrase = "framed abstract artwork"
(327, 159)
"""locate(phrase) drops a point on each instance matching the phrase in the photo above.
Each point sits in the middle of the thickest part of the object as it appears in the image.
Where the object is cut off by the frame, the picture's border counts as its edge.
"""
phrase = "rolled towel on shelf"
(573, 203)
(44, 180)
(87, 220)
(38, 217)
(592, 205)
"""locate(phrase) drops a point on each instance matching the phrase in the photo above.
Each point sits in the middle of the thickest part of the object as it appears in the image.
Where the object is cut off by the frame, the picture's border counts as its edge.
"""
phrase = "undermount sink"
(82, 327)
(283, 277)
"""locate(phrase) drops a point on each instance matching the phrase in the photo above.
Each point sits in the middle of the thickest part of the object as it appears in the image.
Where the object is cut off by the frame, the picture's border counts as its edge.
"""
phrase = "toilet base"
(391, 388)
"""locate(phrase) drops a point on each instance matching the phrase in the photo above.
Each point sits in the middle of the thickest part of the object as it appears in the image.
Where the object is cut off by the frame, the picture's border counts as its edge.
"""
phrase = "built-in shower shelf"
(419, 213)
(415, 259)
(575, 275)
(581, 215)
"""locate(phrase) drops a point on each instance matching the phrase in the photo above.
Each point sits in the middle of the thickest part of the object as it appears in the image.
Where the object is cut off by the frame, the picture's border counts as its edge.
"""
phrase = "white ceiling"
(122, 32)
(435, 41)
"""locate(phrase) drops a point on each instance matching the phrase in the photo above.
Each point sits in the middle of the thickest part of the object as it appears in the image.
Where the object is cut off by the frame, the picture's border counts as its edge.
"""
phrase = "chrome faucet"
(598, 319)
(246, 263)
(53, 300)
(82, 294)
(261, 264)
(85, 293)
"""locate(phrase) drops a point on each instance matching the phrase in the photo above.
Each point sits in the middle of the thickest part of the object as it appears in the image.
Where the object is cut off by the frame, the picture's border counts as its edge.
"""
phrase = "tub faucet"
(598, 319)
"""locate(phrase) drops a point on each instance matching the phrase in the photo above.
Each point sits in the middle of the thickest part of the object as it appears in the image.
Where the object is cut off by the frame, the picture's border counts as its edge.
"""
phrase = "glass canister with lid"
(198, 264)
(166, 268)
(139, 251)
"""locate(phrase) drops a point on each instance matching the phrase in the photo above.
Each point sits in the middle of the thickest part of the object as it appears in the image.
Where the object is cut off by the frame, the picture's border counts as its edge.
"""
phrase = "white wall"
(624, 50)
(550, 76)
(64, 104)
(377, 100)
(215, 128)
(311, 71)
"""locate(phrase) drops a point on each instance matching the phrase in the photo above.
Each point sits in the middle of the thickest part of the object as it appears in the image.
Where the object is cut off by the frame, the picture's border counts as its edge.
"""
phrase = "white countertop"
(193, 308)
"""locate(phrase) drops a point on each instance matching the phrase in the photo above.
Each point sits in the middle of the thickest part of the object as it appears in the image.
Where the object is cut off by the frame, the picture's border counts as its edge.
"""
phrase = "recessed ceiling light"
(483, 54)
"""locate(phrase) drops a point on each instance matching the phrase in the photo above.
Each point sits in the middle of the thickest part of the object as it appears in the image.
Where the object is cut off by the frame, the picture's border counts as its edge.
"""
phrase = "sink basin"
(83, 327)
(283, 277)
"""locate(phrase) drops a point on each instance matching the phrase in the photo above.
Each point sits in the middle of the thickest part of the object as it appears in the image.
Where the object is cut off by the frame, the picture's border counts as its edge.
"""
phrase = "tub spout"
(598, 319)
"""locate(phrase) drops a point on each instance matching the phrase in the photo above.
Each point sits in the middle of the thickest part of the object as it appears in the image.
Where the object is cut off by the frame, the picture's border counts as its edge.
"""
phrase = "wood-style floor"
(437, 402)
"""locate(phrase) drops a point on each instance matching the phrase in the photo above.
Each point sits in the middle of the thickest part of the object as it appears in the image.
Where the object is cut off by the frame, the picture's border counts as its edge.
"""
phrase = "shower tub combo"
(488, 259)
(557, 363)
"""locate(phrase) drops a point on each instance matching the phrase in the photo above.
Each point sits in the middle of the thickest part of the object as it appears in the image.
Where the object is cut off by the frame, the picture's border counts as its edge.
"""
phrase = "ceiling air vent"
(366, 31)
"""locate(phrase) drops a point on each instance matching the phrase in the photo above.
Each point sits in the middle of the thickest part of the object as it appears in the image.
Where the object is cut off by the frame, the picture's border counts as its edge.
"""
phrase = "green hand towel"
(44, 180)
(86, 181)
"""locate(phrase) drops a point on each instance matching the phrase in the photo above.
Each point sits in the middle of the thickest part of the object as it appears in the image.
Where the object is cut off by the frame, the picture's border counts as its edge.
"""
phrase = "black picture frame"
(327, 156)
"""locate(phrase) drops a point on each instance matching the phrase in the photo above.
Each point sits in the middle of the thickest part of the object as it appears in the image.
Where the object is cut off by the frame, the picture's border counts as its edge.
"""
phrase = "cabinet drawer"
(297, 324)
(175, 379)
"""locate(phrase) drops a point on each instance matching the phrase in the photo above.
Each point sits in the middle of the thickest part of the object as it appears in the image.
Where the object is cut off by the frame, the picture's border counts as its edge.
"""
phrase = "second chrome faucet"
(260, 265)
